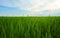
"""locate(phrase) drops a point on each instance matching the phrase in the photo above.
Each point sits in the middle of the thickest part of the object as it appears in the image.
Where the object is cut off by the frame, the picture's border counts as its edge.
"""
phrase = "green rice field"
(30, 27)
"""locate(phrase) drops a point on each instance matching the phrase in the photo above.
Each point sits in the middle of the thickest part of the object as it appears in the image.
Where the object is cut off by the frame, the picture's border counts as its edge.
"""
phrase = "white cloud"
(34, 6)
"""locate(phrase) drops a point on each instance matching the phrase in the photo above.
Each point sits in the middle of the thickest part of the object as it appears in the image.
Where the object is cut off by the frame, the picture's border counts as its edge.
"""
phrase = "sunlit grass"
(29, 27)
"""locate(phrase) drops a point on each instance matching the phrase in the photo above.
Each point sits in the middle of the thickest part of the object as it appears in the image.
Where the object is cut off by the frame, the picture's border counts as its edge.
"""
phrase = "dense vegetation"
(29, 27)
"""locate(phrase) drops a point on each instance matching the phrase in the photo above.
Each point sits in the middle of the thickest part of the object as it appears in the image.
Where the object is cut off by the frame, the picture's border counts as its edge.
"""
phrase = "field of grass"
(29, 27)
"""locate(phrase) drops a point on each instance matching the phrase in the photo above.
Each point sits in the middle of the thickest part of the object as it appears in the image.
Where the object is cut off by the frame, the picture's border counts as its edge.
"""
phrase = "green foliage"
(29, 27)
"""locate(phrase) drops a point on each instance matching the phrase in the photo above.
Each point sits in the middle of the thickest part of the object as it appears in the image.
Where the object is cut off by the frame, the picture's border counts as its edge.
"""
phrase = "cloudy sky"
(29, 7)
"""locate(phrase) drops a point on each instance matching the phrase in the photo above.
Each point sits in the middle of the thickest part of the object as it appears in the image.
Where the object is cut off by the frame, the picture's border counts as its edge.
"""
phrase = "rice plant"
(29, 27)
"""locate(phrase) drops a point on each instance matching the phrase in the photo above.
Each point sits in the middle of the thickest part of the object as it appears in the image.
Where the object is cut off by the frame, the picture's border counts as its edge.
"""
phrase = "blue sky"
(29, 7)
